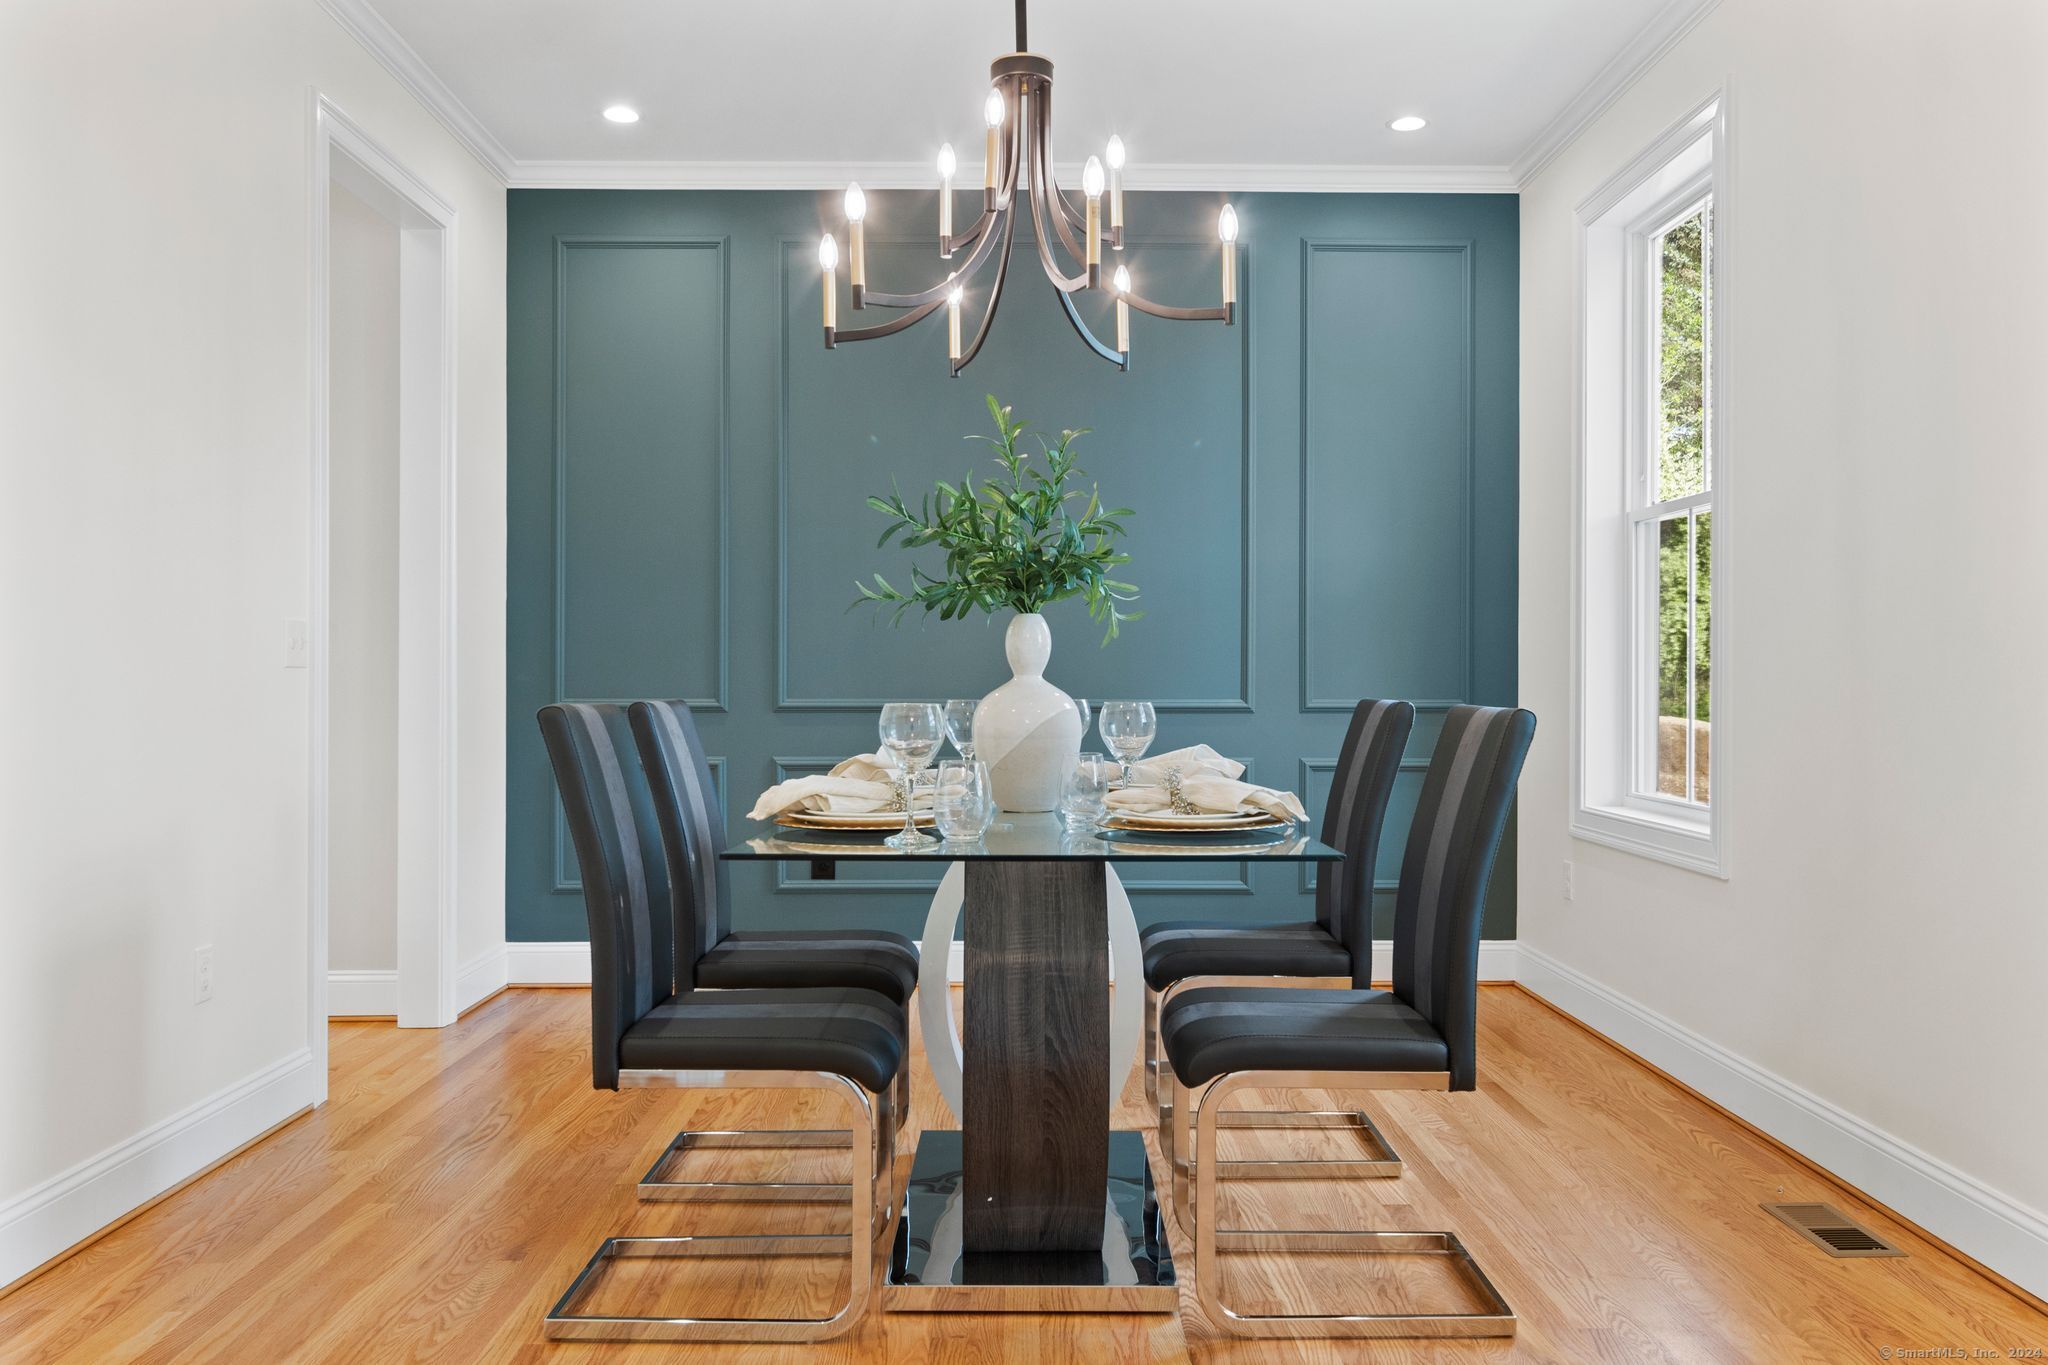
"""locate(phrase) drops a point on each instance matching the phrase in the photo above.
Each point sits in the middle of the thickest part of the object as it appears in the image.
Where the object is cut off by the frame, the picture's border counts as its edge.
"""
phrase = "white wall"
(154, 533)
(363, 626)
(1868, 983)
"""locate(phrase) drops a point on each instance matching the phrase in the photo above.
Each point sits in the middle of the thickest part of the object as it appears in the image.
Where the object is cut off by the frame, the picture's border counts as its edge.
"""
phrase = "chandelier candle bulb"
(1122, 283)
(1115, 155)
(828, 260)
(1091, 186)
(856, 240)
(1226, 229)
(947, 165)
(992, 111)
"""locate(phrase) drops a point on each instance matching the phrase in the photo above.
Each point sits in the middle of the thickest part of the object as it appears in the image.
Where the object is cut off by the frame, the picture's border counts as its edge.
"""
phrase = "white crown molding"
(1658, 37)
(1987, 1225)
(918, 175)
(43, 1222)
(381, 41)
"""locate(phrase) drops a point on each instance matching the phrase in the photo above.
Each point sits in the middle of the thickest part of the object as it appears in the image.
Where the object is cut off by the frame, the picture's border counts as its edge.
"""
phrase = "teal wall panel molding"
(1326, 499)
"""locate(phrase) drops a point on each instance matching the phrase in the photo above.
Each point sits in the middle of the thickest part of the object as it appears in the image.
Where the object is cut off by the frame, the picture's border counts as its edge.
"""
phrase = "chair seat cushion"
(870, 959)
(1212, 1030)
(853, 1033)
(1179, 949)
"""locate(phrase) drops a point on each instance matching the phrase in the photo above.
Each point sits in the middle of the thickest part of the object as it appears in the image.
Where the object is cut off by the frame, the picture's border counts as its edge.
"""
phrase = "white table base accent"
(935, 997)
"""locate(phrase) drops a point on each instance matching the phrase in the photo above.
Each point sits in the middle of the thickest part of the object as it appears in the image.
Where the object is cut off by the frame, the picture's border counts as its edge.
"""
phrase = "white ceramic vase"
(1027, 730)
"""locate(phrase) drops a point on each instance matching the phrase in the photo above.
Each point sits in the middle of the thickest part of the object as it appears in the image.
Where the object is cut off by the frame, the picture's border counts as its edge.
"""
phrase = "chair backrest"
(1458, 823)
(1366, 768)
(692, 828)
(625, 878)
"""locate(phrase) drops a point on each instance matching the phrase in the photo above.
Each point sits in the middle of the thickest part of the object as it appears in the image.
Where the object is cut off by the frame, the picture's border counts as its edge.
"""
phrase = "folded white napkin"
(1195, 760)
(861, 785)
(1205, 782)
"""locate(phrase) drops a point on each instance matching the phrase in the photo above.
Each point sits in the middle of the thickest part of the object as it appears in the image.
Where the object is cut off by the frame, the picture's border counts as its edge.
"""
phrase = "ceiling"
(1199, 85)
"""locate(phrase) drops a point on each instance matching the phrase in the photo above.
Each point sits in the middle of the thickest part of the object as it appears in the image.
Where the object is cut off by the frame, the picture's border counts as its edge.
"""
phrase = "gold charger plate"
(1152, 825)
(881, 820)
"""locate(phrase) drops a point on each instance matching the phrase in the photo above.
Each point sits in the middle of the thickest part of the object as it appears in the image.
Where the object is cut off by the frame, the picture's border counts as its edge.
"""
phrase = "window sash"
(1646, 512)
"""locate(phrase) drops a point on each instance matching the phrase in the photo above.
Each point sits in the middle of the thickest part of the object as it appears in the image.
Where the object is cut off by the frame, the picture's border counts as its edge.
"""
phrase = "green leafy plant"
(1012, 542)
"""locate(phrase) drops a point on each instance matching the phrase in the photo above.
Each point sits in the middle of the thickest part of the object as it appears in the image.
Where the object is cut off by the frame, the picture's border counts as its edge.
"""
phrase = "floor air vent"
(1828, 1228)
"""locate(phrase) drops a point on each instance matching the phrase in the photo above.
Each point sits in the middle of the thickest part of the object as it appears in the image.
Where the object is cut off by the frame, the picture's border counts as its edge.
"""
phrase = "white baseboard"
(482, 976)
(547, 964)
(1982, 1223)
(362, 993)
(70, 1207)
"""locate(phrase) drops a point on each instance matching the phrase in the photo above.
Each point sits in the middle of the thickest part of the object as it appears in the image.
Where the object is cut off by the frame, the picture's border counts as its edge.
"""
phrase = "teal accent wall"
(1326, 499)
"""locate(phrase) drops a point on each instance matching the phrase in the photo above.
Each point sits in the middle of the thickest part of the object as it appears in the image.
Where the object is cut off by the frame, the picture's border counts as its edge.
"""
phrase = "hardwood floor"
(457, 1180)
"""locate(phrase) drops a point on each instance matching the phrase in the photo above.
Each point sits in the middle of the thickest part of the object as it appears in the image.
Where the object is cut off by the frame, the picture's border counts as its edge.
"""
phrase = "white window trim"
(1686, 163)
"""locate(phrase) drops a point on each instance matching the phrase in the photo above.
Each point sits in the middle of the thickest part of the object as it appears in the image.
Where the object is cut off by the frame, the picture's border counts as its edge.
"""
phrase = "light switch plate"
(202, 974)
(298, 645)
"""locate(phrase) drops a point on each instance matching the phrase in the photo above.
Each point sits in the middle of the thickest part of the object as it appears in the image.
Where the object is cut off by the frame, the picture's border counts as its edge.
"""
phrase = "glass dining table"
(1035, 1203)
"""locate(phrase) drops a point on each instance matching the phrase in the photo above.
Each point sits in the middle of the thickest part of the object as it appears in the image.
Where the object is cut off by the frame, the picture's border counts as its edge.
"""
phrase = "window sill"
(1690, 843)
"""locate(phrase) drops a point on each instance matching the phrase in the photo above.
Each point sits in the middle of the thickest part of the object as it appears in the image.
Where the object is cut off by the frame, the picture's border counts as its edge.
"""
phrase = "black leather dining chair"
(648, 1029)
(709, 953)
(1421, 1035)
(1183, 954)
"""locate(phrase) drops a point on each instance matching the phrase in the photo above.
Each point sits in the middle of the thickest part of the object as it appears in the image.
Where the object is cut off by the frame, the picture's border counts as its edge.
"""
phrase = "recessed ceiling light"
(1409, 123)
(620, 113)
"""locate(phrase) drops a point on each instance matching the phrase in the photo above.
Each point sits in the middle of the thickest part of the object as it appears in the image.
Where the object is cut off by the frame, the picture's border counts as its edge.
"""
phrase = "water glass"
(1128, 728)
(964, 801)
(912, 731)
(1087, 794)
(960, 726)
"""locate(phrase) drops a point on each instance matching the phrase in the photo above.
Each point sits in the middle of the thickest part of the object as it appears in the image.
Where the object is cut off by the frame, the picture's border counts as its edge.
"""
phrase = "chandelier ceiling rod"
(1018, 160)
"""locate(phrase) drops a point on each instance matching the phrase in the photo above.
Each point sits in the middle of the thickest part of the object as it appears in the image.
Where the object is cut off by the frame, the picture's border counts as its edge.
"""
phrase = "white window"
(1650, 729)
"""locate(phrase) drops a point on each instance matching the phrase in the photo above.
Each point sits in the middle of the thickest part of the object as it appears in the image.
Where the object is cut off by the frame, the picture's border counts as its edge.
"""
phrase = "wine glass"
(1081, 705)
(912, 731)
(963, 801)
(1087, 794)
(960, 726)
(1127, 728)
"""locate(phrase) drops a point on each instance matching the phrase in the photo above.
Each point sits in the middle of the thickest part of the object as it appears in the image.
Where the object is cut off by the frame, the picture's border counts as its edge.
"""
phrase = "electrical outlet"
(1568, 879)
(298, 645)
(202, 974)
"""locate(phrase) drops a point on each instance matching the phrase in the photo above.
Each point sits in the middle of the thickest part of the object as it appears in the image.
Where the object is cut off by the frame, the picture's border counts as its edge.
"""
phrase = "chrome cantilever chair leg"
(1380, 1161)
(1492, 1319)
(872, 1144)
(660, 1186)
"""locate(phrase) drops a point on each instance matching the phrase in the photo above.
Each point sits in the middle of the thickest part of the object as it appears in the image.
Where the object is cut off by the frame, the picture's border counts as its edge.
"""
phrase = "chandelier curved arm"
(937, 293)
(1109, 353)
(1073, 218)
(910, 319)
(1227, 313)
(995, 296)
(970, 238)
(1065, 283)
(983, 235)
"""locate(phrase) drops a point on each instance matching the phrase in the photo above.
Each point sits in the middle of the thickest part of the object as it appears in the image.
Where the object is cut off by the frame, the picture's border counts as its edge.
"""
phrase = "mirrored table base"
(929, 1272)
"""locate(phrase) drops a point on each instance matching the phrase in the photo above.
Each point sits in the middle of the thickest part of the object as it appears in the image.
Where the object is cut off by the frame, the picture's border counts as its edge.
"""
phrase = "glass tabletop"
(1040, 838)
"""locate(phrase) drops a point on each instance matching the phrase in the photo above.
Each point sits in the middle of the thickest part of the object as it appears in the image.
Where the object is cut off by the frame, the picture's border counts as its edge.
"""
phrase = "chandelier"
(1018, 113)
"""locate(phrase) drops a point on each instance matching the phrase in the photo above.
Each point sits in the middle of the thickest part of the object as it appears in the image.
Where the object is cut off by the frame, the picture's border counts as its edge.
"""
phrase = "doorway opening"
(382, 930)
